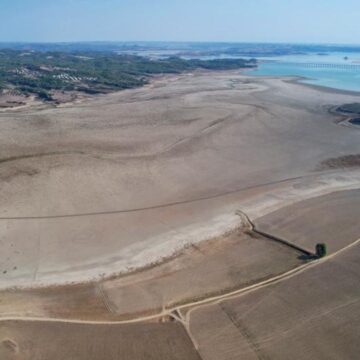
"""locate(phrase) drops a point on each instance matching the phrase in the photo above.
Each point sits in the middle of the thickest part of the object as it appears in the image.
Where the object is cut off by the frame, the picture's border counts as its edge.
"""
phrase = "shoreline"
(298, 80)
(35, 104)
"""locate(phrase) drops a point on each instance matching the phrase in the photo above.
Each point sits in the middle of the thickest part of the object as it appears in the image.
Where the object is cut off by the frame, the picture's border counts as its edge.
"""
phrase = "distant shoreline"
(331, 90)
(298, 80)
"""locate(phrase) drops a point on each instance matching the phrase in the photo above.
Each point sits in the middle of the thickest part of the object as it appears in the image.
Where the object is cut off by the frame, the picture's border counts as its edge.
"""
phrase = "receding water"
(337, 71)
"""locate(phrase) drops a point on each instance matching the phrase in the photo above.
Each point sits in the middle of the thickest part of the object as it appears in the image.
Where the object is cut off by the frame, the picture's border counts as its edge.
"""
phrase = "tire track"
(161, 206)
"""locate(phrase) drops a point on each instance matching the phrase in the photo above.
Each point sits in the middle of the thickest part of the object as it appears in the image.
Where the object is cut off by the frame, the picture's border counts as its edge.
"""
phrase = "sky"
(299, 21)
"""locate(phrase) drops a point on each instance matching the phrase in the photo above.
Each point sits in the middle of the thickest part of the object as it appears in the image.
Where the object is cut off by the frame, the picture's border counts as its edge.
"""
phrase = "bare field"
(84, 302)
(313, 315)
(58, 341)
(210, 268)
(332, 218)
(207, 269)
(77, 181)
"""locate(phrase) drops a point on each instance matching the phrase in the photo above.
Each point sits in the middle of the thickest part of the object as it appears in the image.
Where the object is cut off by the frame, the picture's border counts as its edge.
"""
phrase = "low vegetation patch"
(340, 162)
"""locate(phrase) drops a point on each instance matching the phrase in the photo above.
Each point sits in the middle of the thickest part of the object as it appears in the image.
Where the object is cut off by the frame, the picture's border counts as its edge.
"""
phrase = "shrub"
(321, 250)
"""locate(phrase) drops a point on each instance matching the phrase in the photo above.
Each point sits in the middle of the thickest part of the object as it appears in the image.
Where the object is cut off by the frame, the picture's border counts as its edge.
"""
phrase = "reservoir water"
(334, 70)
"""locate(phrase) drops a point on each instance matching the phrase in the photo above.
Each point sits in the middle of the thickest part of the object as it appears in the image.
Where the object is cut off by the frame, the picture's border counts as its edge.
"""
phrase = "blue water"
(347, 78)
(355, 121)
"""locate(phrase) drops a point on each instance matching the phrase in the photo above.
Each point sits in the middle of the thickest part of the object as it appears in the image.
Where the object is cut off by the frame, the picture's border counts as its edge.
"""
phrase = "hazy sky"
(331, 21)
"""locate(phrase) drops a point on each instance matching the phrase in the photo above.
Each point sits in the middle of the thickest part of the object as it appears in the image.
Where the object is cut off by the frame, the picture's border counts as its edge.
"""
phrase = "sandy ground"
(314, 315)
(77, 182)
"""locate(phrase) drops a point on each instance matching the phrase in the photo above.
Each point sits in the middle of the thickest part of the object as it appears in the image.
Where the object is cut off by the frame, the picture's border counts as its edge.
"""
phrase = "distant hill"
(216, 48)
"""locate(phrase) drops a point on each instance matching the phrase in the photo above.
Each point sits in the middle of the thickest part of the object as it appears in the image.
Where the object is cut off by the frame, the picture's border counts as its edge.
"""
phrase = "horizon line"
(177, 42)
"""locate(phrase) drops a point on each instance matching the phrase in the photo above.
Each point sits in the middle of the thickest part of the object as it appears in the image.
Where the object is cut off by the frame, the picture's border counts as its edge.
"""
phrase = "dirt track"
(311, 315)
(216, 326)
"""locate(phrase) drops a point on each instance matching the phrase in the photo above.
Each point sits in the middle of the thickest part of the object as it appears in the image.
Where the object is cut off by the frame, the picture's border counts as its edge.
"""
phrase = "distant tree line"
(39, 73)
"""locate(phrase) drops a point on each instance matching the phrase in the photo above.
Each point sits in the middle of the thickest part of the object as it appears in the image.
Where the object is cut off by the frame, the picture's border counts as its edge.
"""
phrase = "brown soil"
(313, 315)
(57, 341)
